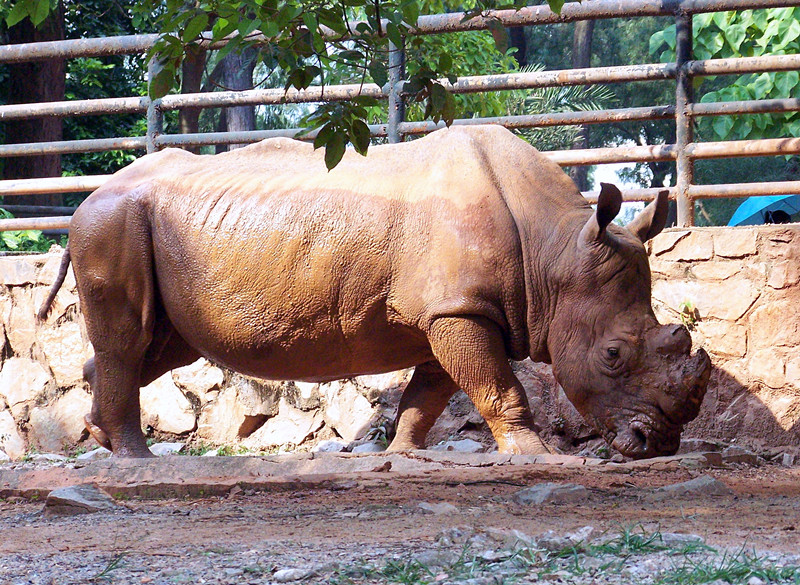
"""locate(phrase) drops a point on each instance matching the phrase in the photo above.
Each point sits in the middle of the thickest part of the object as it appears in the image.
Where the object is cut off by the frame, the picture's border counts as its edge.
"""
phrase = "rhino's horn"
(608, 205)
(649, 223)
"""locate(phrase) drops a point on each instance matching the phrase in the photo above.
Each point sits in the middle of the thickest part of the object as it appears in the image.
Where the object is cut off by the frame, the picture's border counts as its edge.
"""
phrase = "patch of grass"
(736, 567)
(112, 564)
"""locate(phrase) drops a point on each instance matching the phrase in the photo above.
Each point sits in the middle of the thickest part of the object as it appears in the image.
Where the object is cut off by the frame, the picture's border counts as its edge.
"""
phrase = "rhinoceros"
(453, 253)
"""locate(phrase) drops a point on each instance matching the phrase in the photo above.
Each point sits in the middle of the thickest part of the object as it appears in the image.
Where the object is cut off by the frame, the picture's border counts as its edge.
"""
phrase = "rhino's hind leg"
(472, 351)
(422, 402)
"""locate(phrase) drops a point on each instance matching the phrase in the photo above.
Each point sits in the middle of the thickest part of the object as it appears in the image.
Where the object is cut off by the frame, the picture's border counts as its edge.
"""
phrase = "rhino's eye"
(612, 352)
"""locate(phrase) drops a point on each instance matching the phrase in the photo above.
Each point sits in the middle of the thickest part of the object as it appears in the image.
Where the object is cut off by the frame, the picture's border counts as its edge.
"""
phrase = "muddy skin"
(453, 253)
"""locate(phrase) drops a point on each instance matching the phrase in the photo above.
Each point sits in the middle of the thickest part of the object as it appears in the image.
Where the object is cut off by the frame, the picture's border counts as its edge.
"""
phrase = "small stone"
(704, 485)
(368, 448)
(162, 449)
(554, 542)
(47, 458)
(674, 539)
(94, 454)
(788, 459)
(4, 458)
(211, 453)
(78, 499)
(439, 508)
(755, 581)
(462, 446)
(697, 446)
(736, 454)
(550, 493)
(329, 447)
(288, 575)
(436, 558)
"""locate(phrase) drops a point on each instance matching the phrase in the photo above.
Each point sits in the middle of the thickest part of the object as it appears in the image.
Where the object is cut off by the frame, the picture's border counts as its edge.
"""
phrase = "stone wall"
(740, 290)
(741, 286)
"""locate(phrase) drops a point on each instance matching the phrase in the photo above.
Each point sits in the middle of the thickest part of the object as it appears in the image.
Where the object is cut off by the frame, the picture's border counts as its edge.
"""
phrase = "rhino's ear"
(608, 205)
(649, 223)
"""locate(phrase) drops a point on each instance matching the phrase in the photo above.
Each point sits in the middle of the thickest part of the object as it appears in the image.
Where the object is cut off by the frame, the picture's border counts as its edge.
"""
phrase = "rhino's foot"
(131, 448)
(527, 443)
(400, 446)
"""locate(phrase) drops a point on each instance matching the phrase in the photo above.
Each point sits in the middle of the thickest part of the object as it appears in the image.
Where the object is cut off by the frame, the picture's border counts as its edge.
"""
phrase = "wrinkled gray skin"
(452, 253)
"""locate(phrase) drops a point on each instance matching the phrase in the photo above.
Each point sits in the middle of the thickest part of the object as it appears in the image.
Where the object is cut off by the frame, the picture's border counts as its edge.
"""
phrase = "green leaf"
(162, 81)
(393, 32)
(377, 71)
(18, 13)
(324, 135)
(41, 9)
(556, 5)
(438, 98)
(722, 126)
(445, 63)
(360, 136)
(735, 34)
(785, 82)
(656, 42)
(762, 85)
(334, 149)
(195, 26)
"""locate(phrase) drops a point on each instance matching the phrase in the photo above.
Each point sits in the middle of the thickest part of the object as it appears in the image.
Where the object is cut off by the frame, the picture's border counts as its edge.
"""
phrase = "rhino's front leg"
(472, 351)
(422, 402)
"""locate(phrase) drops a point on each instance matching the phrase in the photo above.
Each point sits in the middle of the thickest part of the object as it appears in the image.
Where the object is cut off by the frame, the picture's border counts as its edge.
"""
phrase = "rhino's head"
(633, 379)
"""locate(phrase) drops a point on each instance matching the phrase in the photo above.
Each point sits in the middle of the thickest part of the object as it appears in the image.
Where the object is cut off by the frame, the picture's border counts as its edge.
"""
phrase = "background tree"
(40, 81)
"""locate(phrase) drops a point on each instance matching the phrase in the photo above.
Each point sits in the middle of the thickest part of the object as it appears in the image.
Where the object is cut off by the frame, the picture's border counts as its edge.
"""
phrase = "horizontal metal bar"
(745, 107)
(740, 148)
(572, 11)
(744, 189)
(245, 136)
(34, 223)
(738, 65)
(253, 97)
(593, 156)
(528, 80)
(38, 210)
(72, 146)
(52, 185)
(546, 120)
(73, 48)
(635, 194)
(124, 105)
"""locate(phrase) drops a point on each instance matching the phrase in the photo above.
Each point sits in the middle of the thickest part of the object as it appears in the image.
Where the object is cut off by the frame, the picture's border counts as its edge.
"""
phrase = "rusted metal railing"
(684, 111)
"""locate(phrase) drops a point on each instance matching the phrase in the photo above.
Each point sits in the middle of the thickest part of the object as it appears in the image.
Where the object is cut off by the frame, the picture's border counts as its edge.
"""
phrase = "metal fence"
(684, 110)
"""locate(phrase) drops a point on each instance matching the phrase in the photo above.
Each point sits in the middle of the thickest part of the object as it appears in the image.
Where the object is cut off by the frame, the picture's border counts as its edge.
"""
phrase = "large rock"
(165, 408)
(199, 378)
(60, 424)
(291, 426)
(22, 382)
(10, 440)
(66, 351)
(347, 410)
(78, 499)
(21, 325)
(237, 411)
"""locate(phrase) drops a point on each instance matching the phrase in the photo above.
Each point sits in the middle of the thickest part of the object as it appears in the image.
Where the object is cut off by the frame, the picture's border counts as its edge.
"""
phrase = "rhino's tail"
(44, 311)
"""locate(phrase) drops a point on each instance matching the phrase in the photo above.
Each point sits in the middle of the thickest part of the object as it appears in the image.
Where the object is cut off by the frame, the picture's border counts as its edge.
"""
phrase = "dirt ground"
(366, 516)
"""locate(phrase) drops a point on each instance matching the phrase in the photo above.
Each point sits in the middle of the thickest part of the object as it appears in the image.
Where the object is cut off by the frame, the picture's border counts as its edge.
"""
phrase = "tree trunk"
(194, 65)
(516, 37)
(237, 74)
(582, 57)
(41, 81)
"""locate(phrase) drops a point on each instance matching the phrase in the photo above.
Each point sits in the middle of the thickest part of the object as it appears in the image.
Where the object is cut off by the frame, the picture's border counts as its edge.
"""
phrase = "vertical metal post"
(397, 107)
(684, 129)
(155, 117)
